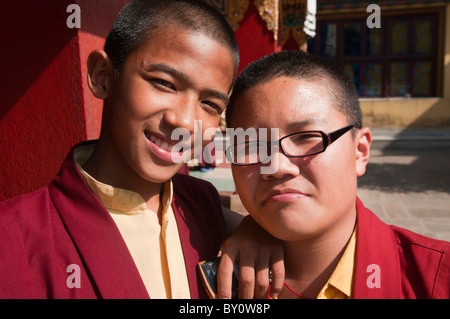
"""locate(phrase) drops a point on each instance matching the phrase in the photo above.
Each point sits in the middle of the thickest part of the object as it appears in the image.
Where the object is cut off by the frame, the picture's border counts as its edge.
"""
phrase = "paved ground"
(407, 181)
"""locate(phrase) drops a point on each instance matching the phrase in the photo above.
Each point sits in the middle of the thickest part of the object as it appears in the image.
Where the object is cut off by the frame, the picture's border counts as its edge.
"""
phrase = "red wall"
(40, 93)
(254, 40)
(45, 104)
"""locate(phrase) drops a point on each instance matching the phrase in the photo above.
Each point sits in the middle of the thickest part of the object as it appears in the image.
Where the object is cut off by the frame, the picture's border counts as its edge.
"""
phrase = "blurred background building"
(401, 68)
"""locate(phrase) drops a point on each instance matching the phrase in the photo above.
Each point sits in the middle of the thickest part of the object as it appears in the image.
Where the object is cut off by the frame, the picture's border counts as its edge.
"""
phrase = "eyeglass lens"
(300, 144)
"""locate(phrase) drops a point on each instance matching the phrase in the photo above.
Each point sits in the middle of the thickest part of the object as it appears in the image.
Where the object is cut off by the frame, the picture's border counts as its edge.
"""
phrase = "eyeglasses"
(301, 144)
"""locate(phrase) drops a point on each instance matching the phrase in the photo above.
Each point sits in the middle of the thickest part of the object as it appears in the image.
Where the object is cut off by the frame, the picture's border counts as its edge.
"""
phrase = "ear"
(363, 142)
(100, 73)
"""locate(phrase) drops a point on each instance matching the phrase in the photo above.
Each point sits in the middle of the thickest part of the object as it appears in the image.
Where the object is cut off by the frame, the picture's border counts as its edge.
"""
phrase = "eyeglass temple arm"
(333, 136)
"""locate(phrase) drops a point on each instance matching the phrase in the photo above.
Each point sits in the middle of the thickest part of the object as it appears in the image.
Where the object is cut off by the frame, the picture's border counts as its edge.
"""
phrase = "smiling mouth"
(159, 142)
(164, 144)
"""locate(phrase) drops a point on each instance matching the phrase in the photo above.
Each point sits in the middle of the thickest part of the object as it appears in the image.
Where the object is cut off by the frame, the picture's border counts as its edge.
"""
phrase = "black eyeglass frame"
(327, 139)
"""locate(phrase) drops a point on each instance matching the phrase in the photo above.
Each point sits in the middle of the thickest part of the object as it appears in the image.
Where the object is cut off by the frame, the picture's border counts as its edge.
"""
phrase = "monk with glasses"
(334, 247)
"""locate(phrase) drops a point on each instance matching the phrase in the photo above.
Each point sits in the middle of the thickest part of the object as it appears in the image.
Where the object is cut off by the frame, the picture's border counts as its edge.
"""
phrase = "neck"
(310, 263)
(111, 172)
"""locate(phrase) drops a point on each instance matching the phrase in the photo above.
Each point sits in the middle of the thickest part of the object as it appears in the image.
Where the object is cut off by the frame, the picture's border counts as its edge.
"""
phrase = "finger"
(225, 275)
(262, 282)
(278, 276)
(246, 282)
(262, 267)
(246, 277)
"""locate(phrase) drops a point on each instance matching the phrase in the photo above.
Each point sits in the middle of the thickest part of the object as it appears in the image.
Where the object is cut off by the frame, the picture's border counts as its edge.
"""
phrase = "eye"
(304, 138)
(212, 107)
(163, 84)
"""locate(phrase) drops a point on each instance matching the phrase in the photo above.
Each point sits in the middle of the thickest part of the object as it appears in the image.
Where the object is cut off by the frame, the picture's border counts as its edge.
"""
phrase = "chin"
(290, 228)
(159, 174)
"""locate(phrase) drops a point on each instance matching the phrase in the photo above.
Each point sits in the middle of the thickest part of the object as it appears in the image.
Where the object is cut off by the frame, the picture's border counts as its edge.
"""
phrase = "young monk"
(334, 247)
(117, 221)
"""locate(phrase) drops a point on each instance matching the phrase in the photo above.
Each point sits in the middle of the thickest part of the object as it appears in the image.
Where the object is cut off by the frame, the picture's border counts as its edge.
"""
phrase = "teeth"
(159, 142)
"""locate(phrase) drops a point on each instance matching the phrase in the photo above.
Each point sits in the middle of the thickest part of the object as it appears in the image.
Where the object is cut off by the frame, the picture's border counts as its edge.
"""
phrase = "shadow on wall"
(29, 36)
(414, 159)
(42, 102)
(409, 166)
(36, 34)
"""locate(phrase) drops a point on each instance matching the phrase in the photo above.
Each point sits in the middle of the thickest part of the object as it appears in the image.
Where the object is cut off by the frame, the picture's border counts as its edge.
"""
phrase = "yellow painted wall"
(417, 113)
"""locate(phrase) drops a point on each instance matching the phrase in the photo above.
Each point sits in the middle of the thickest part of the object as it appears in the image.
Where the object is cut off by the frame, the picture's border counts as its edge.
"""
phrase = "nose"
(182, 113)
(280, 166)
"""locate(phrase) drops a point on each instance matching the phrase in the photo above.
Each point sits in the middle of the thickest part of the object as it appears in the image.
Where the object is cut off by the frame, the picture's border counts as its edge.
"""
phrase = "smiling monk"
(117, 221)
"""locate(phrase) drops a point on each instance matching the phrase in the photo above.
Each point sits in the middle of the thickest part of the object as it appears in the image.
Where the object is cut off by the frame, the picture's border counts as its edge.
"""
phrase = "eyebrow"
(181, 76)
(161, 67)
(307, 122)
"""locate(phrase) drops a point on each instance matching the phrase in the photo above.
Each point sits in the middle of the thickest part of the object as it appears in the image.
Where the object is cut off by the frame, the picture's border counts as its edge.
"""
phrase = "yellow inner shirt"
(156, 249)
(339, 285)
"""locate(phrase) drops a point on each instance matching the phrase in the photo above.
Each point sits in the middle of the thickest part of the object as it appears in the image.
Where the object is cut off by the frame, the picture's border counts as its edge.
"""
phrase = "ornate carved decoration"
(294, 12)
(236, 11)
(232, 10)
(269, 12)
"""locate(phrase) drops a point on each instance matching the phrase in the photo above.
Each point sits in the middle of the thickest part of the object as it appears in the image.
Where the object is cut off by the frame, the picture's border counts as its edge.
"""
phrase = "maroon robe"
(404, 264)
(63, 224)
(395, 263)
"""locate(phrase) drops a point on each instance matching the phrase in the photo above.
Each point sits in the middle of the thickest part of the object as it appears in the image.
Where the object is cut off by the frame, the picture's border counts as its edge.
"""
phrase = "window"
(399, 59)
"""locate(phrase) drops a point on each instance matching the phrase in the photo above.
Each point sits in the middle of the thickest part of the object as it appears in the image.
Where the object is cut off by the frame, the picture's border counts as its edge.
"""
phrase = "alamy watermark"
(74, 19)
(182, 151)
(74, 279)
(373, 21)
(374, 279)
